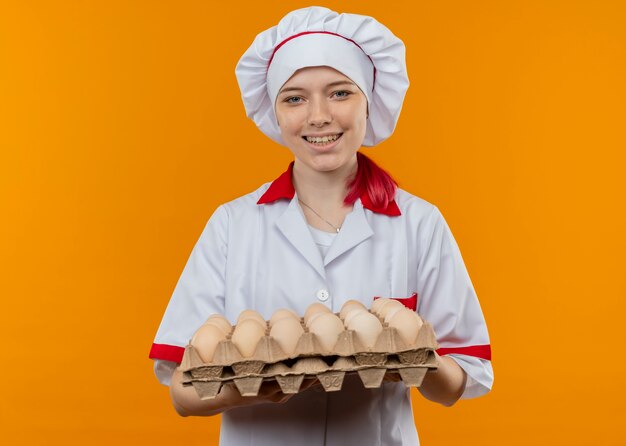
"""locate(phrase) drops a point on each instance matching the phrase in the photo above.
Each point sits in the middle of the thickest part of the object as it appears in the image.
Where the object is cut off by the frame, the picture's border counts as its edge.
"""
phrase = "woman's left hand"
(446, 384)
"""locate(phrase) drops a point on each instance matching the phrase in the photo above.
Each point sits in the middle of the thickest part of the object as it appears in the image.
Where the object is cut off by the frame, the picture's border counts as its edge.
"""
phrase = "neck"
(325, 191)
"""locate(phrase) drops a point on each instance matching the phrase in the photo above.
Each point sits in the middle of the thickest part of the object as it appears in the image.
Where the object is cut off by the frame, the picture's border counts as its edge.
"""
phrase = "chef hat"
(357, 46)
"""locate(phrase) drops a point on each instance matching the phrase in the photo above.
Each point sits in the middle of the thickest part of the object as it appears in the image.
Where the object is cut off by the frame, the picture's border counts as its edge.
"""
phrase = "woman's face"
(322, 116)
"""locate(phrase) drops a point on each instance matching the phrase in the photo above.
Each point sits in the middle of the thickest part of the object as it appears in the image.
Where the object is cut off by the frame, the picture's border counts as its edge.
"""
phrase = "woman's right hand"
(187, 402)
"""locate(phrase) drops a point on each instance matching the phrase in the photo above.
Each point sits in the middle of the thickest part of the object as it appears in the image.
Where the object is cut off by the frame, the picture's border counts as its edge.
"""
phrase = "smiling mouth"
(322, 140)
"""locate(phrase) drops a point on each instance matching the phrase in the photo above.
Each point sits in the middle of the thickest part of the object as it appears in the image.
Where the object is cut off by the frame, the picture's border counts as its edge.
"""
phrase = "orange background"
(122, 128)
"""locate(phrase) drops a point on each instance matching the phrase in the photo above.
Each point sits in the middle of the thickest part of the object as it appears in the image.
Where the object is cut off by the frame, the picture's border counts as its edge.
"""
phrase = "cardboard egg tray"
(390, 354)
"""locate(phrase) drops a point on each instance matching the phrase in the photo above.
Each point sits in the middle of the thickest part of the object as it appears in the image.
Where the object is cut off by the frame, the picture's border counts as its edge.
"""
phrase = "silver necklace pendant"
(322, 218)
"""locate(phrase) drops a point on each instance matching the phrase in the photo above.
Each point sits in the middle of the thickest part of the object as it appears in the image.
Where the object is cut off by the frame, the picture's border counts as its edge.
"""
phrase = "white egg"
(251, 314)
(313, 309)
(246, 336)
(366, 326)
(348, 306)
(327, 327)
(282, 314)
(220, 322)
(408, 324)
(378, 303)
(287, 332)
(205, 340)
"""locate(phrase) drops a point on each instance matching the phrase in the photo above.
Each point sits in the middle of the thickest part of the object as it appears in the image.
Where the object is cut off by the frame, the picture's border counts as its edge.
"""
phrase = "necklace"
(313, 210)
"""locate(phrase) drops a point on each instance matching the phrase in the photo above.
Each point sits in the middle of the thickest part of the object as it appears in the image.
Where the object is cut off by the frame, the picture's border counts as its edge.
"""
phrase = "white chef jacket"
(256, 252)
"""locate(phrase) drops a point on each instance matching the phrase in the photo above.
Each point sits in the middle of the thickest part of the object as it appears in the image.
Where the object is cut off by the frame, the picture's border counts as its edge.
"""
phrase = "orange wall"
(121, 129)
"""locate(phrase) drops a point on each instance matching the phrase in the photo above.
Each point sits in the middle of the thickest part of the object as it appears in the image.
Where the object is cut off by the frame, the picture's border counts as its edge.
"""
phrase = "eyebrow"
(332, 84)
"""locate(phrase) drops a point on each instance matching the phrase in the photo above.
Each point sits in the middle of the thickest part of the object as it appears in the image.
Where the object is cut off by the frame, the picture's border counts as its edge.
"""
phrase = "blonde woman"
(334, 226)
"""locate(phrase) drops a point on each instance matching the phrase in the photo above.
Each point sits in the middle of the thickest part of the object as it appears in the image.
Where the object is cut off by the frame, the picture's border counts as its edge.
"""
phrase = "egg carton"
(390, 354)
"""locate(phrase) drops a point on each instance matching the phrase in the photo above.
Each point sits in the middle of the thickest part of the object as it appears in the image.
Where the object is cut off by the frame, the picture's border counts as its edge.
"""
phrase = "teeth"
(322, 140)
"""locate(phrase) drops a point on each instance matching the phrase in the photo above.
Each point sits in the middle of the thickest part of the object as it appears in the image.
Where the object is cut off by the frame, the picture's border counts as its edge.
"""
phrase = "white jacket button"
(323, 295)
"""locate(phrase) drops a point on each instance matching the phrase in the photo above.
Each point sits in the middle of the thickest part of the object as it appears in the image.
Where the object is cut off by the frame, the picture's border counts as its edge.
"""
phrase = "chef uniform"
(257, 252)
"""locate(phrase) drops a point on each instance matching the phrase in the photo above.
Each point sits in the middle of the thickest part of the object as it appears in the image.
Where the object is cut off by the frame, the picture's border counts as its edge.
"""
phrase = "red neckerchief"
(282, 187)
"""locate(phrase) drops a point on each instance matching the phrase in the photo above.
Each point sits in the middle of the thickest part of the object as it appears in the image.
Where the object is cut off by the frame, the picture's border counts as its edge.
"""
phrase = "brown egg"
(247, 335)
(287, 332)
(251, 314)
(313, 317)
(366, 326)
(387, 306)
(378, 303)
(221, 322)
(392, 310)
(352, 313)
(205, 340)
(282, 314)
(327, 327)
(313, 309)
(408, 324)
(348, 306)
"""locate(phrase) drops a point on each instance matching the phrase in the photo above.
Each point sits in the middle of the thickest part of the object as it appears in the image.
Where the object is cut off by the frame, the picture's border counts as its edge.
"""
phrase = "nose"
(319, 113)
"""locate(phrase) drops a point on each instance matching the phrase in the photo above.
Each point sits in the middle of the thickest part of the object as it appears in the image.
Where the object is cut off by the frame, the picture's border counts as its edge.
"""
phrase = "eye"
(341, 94)
(293, 100)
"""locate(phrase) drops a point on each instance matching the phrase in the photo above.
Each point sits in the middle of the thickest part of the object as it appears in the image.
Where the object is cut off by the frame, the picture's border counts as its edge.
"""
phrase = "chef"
(333, 227)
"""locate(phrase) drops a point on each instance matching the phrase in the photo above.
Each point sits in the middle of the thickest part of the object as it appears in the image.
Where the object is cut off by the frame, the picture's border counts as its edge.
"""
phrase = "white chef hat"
(357, 46)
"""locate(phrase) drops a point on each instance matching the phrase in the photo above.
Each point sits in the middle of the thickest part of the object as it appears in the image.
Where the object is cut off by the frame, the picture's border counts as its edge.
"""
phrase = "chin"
(326, 168)
(329, 166)
(325, 162)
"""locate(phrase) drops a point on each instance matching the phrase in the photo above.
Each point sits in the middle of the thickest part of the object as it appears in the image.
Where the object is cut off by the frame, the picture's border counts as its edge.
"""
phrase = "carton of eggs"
(371, 343)
(286, 328)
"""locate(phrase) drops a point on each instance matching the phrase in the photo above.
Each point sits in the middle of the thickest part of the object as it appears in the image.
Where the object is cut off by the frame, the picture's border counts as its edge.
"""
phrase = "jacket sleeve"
(448, 301)
(198, 294)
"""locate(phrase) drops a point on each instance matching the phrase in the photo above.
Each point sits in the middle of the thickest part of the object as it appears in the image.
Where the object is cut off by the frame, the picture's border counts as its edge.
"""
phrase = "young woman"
(333, 227)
